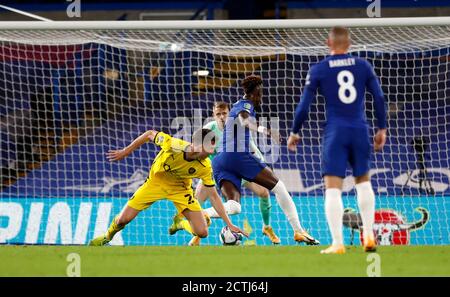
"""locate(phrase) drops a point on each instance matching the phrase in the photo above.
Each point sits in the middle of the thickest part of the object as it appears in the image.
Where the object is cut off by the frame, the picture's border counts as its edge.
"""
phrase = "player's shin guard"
(264, 207)
(231, 207)
(287, 205)
(113, 229)
(334, 211)
(366, 204)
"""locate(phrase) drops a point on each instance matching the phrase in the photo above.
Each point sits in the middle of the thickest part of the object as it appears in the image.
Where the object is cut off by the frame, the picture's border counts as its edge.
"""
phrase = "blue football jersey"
(236, 138)
(342, 80)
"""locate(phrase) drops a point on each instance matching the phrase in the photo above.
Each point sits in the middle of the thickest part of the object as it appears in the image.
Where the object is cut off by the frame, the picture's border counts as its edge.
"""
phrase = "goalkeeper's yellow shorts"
(152, 191)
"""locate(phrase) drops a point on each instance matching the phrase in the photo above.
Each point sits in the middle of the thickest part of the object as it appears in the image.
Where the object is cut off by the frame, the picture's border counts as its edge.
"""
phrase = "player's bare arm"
(116, 155)
(216, 202)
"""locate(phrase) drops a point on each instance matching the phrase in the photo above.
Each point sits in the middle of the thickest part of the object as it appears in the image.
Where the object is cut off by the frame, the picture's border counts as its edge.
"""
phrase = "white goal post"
(70, 91)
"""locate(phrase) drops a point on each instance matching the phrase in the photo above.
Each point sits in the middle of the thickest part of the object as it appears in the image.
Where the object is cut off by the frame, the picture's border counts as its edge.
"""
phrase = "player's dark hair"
(222, 105)
(202, 135)
(250, 83)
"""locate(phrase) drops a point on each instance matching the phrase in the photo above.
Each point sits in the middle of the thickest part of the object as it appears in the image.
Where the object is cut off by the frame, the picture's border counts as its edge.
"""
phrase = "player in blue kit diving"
(342, 79)
(235, 160)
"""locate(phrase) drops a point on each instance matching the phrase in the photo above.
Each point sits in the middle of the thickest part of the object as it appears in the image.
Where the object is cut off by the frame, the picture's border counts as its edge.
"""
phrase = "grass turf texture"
(221, 261)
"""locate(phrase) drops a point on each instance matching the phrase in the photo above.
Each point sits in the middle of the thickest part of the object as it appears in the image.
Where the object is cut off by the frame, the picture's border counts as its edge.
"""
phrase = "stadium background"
(94, 96)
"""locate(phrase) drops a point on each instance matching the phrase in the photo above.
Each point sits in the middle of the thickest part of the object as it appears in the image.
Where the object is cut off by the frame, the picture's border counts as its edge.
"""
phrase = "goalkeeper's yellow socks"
(113, 229)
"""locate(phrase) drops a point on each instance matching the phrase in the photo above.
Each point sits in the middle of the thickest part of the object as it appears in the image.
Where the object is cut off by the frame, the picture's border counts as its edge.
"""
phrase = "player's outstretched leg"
(366, 204)
(264, 207)
(267, 179)
(232, 207)
(118, 223)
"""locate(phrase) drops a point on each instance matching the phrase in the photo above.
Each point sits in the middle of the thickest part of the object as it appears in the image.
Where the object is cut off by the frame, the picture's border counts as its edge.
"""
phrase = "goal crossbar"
(225, 24)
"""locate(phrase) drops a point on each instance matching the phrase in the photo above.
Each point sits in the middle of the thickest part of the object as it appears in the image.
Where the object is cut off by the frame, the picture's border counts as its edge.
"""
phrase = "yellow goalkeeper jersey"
(171, 169)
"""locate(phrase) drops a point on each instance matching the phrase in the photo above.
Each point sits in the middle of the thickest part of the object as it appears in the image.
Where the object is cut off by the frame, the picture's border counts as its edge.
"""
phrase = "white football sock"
(366, 204)
(231, 207)
(334, 210)
(287, 205)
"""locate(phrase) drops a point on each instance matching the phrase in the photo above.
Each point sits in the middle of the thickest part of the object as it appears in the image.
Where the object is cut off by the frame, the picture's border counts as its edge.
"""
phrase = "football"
(228, 237)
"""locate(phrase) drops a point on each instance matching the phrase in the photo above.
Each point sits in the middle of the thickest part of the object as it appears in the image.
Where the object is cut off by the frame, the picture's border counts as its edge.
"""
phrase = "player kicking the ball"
(235, 160)
(342, 79)
(220, 114)
(170, 177)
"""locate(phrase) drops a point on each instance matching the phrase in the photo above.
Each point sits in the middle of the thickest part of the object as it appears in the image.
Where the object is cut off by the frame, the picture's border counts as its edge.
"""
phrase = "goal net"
(70, 94)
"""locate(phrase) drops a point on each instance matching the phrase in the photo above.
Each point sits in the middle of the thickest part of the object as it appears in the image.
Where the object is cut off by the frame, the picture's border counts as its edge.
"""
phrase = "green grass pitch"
(222, 261)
